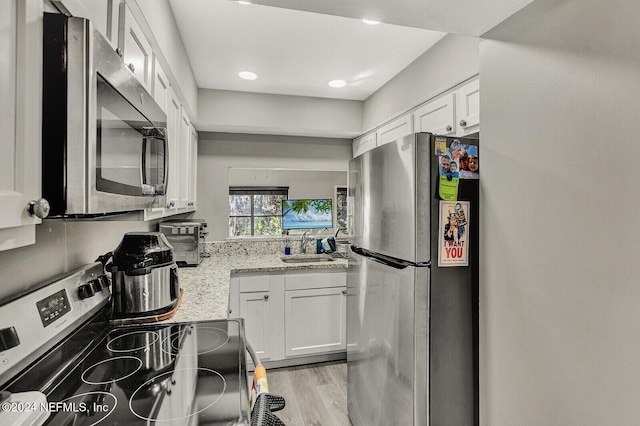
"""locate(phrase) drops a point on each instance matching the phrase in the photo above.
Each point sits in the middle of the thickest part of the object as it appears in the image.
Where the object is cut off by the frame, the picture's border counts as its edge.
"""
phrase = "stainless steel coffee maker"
(144, 275)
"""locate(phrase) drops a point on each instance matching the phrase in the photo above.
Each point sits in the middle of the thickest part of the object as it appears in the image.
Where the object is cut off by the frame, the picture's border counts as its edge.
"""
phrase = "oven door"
(131, 153)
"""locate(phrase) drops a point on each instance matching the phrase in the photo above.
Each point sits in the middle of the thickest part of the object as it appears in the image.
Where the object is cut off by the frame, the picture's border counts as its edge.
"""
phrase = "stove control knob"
(104, 280)
(8, 338)
(96, 284)
(85, 291)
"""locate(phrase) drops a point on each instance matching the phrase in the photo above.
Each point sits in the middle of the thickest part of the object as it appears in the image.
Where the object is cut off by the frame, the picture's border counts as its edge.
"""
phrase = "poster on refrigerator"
(453, 239)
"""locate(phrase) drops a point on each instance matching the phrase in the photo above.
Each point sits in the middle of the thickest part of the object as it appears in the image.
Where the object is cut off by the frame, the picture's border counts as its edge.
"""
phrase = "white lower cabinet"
(315, 321)
(257, 298)
(291, 315)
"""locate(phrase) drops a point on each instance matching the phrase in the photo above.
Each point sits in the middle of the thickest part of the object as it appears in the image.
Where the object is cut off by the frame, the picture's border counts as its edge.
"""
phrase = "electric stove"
(74, 367)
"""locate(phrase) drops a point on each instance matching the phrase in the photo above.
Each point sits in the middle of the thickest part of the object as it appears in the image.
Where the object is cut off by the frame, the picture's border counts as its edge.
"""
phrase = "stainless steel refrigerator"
(412, 325)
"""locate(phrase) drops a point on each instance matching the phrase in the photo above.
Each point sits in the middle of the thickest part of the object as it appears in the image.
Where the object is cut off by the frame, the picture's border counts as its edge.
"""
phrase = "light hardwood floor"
(315, 395)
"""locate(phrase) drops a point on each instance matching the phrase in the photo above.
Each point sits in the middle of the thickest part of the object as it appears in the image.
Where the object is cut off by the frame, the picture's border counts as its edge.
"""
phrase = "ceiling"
(297, 52)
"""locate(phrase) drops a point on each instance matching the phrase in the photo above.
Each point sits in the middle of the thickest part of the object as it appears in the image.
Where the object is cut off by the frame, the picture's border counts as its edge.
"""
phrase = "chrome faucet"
(304, 241)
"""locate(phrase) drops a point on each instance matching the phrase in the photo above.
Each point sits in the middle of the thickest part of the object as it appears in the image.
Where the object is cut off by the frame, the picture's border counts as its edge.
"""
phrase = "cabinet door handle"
(463, 123)
(40, 208)
(132, 67)
(266, 297)
(344, 291)
(448, 128)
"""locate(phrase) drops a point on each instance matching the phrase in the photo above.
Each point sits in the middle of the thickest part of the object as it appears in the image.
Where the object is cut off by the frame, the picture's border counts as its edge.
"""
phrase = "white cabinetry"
(102, 13)
(20, 119)
(437, 116)
(315, 313)
(468, 108)
(257, 297)
(364, 143)
(160, 86)
(135, 47)
(398, 128)
(184, 159)
(192, 175)
(173, 128)
(456, 113)
(291, 316)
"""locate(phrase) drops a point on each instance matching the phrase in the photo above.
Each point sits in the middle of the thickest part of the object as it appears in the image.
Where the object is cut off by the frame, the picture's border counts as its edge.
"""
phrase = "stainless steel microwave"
(104, 145)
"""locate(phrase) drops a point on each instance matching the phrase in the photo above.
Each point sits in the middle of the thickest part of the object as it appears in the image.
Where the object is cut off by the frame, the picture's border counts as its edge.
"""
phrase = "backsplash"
(61, 246)
(247, 247)
(259, 246)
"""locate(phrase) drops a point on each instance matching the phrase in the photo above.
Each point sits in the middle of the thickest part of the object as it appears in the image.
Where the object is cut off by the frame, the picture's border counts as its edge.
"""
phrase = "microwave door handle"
(165, 143)
(143, 169)
(156, 133)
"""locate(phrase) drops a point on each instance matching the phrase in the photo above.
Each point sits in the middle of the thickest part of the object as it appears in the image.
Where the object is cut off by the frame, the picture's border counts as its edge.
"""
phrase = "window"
(256, 210)
(341, 208)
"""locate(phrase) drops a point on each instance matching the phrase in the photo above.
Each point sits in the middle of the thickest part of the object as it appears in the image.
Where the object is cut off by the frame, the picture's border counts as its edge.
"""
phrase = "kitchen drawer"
(325, 279)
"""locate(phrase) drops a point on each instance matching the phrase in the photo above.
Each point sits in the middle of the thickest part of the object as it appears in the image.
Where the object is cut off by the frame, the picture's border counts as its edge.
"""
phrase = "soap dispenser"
(287, 247)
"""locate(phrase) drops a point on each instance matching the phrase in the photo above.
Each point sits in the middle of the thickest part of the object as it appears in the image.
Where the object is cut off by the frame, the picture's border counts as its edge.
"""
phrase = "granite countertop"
(206, 287)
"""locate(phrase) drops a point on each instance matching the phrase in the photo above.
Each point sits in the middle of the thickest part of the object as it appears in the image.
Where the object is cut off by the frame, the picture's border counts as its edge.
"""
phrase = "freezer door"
(390, 196)
(386, 343)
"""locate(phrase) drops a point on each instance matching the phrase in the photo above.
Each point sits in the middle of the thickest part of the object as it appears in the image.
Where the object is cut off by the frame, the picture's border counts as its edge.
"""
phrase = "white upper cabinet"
(173, 130)
(160, 86)
(135, 48)
(457, 113)
(20, 120)
(437, 116)
(398, 128)
(184, 159)
(468, 108)
(193, 167)
(102, 13)
(364, 143)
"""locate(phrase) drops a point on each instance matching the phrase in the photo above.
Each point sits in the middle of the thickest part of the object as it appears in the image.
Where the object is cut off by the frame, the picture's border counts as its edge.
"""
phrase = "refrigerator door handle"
(388, 260)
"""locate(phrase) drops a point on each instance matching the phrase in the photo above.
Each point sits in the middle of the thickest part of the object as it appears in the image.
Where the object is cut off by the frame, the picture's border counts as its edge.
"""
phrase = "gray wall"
(301, 183)
(560, 301)
(218, 152)
(60, 247)
(448, 63)
(243, 112)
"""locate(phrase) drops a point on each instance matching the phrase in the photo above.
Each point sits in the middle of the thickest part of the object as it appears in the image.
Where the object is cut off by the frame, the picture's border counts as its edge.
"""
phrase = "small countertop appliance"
(144, 274)
(186, 236)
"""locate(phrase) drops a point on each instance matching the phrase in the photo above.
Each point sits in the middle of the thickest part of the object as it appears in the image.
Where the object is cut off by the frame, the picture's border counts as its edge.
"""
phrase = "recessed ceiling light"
(248, 75)
(370, 22)
(243, 2)
(337, 83)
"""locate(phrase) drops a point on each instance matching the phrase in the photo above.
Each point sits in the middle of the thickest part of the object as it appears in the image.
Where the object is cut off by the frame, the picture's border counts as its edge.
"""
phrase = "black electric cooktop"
(161, 374)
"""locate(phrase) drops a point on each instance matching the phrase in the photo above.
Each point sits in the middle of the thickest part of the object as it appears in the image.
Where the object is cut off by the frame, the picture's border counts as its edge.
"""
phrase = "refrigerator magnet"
(453, 238)
(441, 146)
(469, 163)
(448, 188)
(449, 177)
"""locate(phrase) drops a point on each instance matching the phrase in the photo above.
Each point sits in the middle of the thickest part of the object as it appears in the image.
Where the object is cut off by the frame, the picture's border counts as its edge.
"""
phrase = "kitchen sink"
(306, 258)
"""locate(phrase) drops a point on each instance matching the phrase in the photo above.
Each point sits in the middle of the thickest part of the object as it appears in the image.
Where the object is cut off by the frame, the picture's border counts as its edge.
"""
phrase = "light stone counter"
(206, 287)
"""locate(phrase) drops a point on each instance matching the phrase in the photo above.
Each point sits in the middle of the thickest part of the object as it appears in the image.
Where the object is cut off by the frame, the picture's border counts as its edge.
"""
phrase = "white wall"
(449, 62)
(261, 113)
(560, 300)
(61, 246)
(217, 152)
(301, 183)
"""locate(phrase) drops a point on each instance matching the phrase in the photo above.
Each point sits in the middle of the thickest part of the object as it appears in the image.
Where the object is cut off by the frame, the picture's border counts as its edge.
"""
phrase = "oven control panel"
(36, 321)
